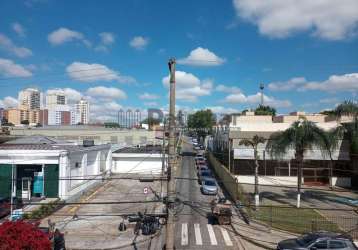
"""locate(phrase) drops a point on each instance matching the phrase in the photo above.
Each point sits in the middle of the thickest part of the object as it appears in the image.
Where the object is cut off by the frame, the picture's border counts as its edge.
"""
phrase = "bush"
(20, 235)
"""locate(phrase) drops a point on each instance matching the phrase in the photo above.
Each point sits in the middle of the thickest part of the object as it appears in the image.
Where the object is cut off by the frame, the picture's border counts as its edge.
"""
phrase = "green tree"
(330, 142)
(265, 110)
(111, 125)
(349, 108)
(254, 142)
(300, 136)
(202, 121)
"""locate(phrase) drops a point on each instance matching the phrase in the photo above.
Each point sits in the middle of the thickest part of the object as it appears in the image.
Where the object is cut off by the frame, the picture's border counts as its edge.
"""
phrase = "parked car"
(204, 175)
(209, 186)
(203, 168)
(318, 240)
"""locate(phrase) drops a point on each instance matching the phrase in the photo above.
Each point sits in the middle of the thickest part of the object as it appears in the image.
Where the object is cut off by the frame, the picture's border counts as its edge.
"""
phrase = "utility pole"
(172, 159)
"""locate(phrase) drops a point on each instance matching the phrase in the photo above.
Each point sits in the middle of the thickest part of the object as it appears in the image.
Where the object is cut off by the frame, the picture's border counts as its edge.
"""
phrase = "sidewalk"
(260, 235)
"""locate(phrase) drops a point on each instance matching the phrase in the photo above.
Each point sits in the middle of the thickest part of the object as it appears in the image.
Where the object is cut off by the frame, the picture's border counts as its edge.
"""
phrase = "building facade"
(82, 110)
(29, 99)
(226, 144)
(51, 169)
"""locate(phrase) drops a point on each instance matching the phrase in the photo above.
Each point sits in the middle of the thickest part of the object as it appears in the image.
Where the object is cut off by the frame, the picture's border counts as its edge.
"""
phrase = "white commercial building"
(281, 170)
(145, 160)
(44, 167)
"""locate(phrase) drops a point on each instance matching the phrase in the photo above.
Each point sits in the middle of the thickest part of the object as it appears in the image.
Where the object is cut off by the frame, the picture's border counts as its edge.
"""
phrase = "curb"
(251, 240)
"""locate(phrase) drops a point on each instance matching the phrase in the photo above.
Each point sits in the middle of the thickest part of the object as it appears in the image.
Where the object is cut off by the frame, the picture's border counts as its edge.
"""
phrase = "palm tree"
(254, 142)
(350, 129)
(330, 142)
(300, 136)
(350, 108)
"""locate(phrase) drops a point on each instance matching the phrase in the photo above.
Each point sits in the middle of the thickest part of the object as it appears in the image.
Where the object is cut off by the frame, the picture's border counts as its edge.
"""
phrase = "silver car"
(209, 186)
(318, 240)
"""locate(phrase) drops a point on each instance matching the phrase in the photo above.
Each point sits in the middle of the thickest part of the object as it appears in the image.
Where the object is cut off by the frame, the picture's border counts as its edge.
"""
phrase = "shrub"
(20, 235)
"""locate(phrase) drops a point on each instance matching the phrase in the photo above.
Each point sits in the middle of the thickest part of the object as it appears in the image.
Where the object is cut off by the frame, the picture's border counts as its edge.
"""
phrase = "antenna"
(262, 86)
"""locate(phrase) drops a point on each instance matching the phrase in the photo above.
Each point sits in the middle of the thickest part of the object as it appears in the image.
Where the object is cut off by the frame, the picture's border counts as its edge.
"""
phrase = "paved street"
(97, 224)
(193, 228)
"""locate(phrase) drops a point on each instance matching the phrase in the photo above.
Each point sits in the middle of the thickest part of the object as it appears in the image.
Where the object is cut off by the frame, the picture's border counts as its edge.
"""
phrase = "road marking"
(226, 236)
(212, 235)
(198, 238)
(184, 234)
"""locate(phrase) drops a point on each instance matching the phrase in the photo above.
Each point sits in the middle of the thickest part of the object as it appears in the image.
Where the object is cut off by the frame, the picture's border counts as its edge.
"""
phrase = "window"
(321, 245)
(336, 244)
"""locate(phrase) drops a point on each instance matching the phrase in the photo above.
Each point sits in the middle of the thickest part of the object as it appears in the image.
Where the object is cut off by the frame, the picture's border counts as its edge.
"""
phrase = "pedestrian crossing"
(204, 234)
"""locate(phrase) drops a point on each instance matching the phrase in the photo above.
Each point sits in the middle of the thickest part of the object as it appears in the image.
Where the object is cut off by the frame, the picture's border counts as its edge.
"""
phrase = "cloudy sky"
(115, 53)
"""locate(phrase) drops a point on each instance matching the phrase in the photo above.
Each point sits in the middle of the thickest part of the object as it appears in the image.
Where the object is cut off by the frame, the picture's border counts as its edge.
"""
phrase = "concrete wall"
(268, 180)
(287, 180)
(136, 163)
(229, 180)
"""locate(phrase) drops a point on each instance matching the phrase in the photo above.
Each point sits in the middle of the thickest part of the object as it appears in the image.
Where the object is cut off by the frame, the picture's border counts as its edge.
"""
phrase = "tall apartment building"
(62, 115)
(29, 99)
(58, 98)
(82, 110)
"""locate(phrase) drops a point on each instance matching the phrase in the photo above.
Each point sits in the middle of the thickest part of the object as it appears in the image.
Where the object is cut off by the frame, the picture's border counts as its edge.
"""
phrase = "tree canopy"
(265, 110)
(202, 120)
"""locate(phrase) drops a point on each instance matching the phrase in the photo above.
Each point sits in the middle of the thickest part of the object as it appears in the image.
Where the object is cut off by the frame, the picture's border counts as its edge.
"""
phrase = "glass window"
(321, 245)
(336, 244)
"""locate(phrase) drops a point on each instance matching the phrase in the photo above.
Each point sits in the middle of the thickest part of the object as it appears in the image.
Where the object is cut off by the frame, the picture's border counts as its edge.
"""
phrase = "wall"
(229, 181)
(136, 163)
(268, 180)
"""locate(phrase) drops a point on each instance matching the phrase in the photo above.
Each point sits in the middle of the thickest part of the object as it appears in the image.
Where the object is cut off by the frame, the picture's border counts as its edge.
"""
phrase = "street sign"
(145, 190)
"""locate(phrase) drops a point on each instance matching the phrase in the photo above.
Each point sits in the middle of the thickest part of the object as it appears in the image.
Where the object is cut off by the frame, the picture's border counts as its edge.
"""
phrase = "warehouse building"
(40, 167)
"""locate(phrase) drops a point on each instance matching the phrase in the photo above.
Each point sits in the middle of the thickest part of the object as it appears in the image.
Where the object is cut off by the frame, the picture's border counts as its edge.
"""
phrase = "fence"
(305, 220)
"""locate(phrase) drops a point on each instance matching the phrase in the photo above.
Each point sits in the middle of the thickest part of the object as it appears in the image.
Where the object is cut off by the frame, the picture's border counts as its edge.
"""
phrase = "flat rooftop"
(154, 149)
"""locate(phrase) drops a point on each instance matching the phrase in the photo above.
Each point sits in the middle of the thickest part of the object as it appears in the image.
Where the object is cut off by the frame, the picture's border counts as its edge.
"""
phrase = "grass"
(296, 220)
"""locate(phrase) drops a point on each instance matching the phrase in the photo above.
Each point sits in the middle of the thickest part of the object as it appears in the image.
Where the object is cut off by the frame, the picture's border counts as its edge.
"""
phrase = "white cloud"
(335, 83)
(85, 72)
(189, 87)
(228, 89)
(148, 96)
(293, 83)
(9, 69)
(107, 38)
(19, 29)
(106, 92)
(72, 95)
(7, 45)
(64, 35)
(201, 57)
(139, 42)
(8, 102)
(327, 19)
(256, 99)
(104, 111)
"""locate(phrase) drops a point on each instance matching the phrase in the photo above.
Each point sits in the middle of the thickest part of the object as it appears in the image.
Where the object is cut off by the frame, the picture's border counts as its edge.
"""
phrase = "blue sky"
(115, 53)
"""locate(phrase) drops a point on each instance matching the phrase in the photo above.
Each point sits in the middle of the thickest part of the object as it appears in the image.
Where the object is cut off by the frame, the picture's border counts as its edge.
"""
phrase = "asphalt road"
(194, 228)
